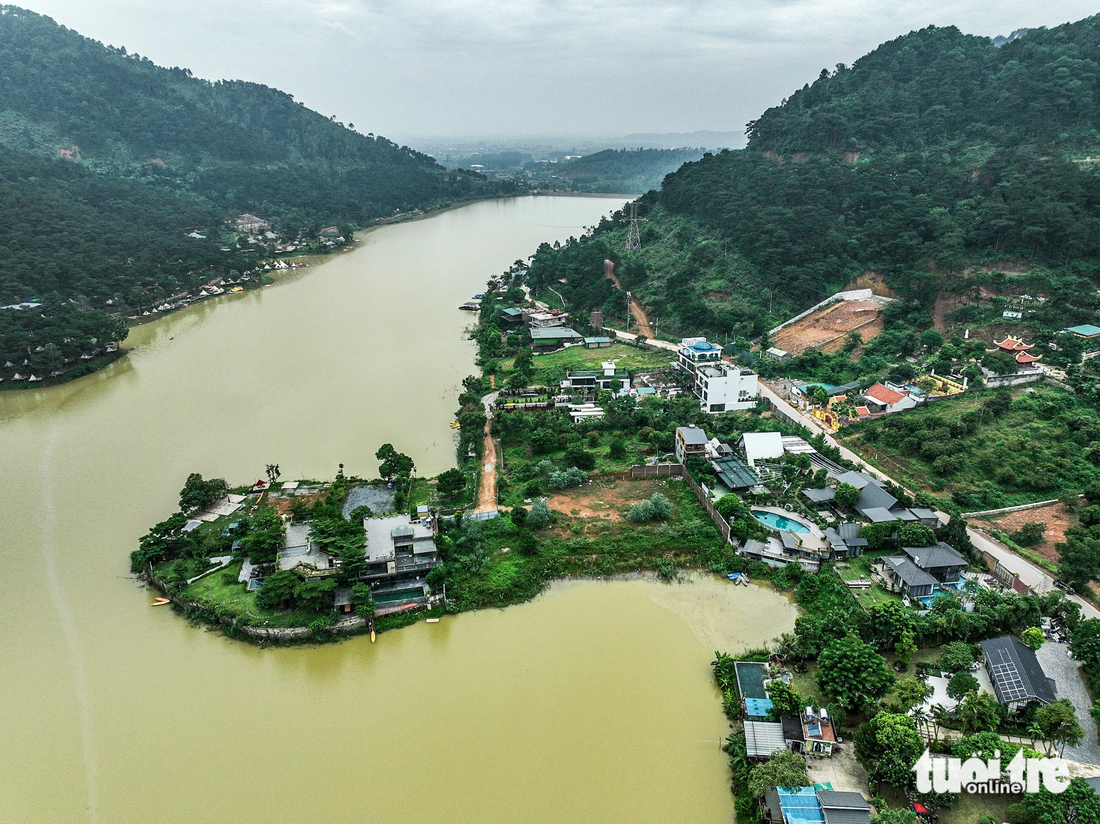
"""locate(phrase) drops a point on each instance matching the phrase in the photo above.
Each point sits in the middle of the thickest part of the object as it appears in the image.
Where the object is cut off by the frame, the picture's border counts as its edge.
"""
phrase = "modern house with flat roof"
(721, 387)
(545, 320)
(588, 383)
(696, 352)
(1018, 677)
(690, 440)
(400, 554)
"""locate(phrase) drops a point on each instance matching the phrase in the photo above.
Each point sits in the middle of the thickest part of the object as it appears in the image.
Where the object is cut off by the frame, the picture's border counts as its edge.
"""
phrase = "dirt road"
(487, 488)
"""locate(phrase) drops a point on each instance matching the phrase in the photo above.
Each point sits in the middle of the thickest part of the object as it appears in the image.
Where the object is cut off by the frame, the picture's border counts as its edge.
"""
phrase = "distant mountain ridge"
(118, 176)
(935, 153)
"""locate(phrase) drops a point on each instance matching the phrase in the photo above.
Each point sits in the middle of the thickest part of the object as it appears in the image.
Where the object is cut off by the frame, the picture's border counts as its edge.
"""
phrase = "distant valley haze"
(427, 71)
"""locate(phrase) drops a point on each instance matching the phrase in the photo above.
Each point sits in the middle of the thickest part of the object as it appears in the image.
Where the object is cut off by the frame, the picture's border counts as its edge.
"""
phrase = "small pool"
(779, 522)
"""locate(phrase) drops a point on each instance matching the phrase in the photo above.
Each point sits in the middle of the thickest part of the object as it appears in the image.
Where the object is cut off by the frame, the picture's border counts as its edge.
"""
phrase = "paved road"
(1067, 676)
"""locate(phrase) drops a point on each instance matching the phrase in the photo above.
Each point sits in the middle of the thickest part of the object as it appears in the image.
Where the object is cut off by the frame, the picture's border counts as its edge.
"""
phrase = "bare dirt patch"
(602, 499)
(826, 330)
(1055, 516)
(872, 280)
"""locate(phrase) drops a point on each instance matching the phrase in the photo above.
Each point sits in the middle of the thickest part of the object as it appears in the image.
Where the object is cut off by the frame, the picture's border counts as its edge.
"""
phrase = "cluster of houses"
(400, 552)
(753, 461)
(811, 733)
(1011, 671)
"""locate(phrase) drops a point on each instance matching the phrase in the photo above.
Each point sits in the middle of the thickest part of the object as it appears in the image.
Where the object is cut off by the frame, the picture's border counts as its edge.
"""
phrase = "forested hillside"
(935, 152)
(108, 162)
(620, 170)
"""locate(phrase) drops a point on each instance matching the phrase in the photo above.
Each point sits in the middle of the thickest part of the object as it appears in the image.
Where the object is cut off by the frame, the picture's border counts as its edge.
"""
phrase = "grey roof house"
(908, 577)
(1017, 676)
(942, 562)
(844, 807)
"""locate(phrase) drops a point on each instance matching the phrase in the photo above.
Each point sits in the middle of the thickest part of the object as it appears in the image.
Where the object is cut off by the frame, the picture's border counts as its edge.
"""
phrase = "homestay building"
(881, 398)
(547, 339)
(400, 554)
(696, 352)
(690, 440)
(587, 383)
(1018, 677)
(722, 387)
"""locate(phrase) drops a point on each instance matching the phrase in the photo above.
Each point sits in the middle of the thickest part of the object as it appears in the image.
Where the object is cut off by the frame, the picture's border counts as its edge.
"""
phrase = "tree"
(961, 684)
(888, 746)
(784, 769)
(199, 494)
(729, 506)
(979, 712)
(915, 534)
(273, 473)
(539, 516)
(394, 464)
(1058, 723)
(1031, 533)
(1078, 803)
(315, 596)
(956, 656)
(853, 673)
(277, 591)
(1080, 561)
(519, 517)
(846, 495)
(451, 483)
(362, 599)
(576, 455)
(904, 648)
(911, 692)
(895, 815)
(1033, 637)
(263, 537)
(162, 541)
(617, 449)
(931, 339)
(785, 701)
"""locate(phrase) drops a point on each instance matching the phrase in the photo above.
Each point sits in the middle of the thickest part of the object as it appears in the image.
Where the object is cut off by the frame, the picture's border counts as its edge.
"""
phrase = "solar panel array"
(1007, 678)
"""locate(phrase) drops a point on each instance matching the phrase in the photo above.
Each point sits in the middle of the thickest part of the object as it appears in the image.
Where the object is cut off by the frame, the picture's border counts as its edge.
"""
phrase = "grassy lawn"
(858, 568)
(230, 596)
(969, 809)
(552, 367)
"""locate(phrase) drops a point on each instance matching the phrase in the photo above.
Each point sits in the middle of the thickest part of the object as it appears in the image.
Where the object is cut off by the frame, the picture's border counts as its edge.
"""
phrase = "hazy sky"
(531, 67)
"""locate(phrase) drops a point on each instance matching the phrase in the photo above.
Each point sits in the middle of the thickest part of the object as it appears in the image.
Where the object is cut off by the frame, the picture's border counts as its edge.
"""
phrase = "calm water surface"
(592, 703)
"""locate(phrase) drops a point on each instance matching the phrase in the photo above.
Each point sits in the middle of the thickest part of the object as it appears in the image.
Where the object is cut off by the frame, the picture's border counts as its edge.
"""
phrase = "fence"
(656, 471)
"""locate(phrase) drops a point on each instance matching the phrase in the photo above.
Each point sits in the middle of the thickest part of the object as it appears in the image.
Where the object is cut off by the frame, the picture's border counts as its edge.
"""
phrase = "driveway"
(1070, 684)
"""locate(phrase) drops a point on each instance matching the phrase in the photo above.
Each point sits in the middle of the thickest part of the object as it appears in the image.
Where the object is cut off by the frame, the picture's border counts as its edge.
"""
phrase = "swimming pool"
(779, 522)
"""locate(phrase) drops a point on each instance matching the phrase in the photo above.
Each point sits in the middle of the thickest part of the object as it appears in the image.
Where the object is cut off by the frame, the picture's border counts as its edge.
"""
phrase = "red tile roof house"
(883, 399)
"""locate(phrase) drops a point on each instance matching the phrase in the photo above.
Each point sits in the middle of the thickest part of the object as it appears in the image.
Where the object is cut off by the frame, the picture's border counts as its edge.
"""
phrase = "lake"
(592, 703)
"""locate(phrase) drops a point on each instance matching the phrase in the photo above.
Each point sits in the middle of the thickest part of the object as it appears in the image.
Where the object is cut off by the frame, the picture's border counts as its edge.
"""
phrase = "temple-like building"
(1018, 349)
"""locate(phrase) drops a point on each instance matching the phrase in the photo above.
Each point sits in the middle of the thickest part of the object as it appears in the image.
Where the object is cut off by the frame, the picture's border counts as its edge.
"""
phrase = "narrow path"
(487, 488)
(639, 314)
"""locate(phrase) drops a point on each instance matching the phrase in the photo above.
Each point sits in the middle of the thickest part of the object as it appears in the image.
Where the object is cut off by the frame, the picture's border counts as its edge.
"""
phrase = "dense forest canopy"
(108, 162)
(935, 152)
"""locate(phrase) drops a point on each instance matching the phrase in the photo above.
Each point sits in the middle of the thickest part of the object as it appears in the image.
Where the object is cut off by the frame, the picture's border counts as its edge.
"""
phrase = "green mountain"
(933, 156)
(108, 162)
